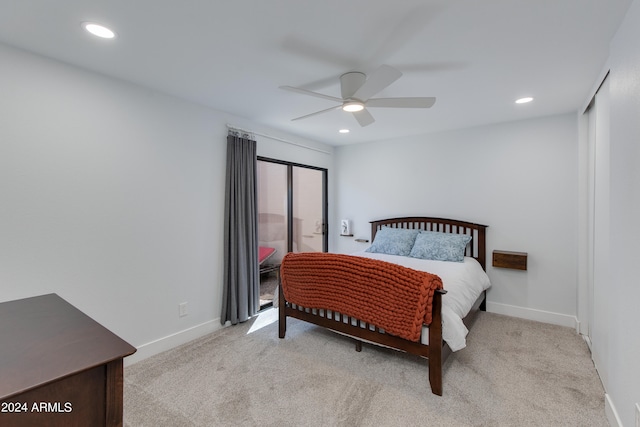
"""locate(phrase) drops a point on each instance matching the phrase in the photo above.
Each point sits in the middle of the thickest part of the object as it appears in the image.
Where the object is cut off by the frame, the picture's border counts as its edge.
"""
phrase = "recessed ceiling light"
(98, 30)
(524, 100)
(344, 131)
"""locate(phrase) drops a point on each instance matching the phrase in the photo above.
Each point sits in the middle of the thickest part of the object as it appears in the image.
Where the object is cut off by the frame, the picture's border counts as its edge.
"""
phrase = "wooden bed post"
(482, 255)
(435, 344)
(282, 316)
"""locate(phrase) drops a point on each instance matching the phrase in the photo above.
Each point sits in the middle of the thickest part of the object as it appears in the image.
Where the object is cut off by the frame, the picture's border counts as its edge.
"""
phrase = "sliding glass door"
(292, 215)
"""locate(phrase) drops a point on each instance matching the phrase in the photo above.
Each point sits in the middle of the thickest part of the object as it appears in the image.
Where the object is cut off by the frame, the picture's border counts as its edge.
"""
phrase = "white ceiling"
(475, 56)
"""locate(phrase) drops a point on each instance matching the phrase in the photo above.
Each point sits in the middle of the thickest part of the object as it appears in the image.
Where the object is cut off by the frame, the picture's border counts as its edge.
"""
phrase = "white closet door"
(599, 224)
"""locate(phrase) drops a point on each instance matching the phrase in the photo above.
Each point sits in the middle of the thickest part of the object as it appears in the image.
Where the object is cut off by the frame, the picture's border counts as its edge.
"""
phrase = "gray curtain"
(241, 294)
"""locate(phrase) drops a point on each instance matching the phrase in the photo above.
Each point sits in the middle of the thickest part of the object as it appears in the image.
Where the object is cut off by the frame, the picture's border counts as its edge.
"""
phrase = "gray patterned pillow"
(440, 246)
(393, 241)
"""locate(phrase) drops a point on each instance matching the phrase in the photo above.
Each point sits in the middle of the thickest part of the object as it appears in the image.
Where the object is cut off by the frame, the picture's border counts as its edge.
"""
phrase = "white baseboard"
(588, 341)
(611, 413)
(163, 344)
(533, 314)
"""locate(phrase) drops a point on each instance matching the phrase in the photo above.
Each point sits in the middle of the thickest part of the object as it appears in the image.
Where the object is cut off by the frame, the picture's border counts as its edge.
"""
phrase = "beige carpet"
(513, 373)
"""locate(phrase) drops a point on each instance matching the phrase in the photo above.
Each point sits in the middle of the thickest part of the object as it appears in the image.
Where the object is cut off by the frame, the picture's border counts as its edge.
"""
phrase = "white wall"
(518, 178)
(622, 368)
(112, 196)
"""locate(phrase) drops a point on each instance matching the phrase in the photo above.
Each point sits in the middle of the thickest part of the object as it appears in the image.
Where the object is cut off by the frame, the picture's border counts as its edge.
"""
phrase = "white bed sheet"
(463, 281)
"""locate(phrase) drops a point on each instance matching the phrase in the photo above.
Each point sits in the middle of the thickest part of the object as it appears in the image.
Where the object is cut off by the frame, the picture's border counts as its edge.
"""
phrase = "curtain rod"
(275, 138)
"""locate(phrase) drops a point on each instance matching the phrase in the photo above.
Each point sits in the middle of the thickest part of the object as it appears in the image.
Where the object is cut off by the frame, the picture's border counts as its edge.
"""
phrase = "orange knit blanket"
(392, 297)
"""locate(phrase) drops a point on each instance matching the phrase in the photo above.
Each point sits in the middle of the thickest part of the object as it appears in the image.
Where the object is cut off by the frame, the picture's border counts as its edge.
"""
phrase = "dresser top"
(44, 339)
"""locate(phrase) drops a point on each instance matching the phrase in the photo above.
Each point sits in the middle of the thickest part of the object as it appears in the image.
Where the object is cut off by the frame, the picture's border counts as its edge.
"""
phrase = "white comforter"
(463, 281)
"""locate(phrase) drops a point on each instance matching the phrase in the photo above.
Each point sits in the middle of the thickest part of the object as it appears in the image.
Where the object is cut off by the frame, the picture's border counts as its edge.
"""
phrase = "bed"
(443, 312)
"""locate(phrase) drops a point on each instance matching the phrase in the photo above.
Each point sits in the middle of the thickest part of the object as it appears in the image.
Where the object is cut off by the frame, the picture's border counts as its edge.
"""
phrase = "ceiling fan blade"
(380, 79)
(424, 102)
(317, 112)
(364, 117)
(308, 92)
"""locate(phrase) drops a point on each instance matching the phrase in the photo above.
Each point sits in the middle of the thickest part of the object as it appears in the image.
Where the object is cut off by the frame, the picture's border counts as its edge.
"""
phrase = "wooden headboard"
(476, 248)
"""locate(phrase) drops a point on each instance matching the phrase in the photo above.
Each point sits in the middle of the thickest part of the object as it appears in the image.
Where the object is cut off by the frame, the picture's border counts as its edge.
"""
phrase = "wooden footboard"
(437, 351)
(361, 330)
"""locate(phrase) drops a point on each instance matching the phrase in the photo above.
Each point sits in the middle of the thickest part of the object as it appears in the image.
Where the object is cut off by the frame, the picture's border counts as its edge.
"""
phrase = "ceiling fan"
(356, 90)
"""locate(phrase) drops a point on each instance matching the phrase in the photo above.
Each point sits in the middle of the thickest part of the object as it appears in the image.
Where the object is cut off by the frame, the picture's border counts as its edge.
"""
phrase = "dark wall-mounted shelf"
(508, 259)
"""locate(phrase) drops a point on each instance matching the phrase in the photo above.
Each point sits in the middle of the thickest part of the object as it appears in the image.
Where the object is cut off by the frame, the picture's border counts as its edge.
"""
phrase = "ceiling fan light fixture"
(353, 106)
(357, 93)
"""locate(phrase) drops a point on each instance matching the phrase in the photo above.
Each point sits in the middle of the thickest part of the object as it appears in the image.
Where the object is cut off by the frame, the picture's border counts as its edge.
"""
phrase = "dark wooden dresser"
(58, 367)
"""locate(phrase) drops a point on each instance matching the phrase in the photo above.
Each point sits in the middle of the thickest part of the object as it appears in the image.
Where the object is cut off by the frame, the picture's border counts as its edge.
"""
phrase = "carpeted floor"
(513, 372)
